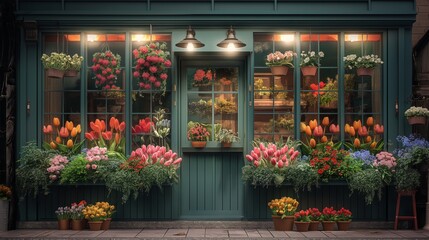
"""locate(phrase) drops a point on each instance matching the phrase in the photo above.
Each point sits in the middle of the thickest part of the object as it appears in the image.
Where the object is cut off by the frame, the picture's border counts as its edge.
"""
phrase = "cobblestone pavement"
(193, 233)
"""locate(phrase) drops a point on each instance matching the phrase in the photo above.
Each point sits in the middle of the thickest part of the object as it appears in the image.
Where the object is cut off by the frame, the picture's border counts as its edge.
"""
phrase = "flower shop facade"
(215, 87)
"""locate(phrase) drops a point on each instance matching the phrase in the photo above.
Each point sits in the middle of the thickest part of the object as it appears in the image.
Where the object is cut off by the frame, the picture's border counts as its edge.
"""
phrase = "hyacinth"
(106, 68)
(269, 154)
(151, 154)
(57, 163)
(384, 159)
(76, 212)
(280, 59)
(63, 213)
(364, 155)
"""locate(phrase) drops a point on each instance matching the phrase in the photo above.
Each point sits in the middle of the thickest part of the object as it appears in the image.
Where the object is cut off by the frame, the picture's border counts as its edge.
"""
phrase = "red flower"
(105, 63)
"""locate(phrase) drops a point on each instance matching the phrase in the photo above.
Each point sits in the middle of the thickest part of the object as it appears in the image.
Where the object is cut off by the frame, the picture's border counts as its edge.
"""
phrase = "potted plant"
(203, 78)
(302, 220)
(226, 137)
(5, 197)
(57, 164)
(416, 115)
(74, 65)
(76, 215)
(364, 64)
(109, 209)
(344, 218)
(151, 63)
(283, 211)
(198, 135)
(328, 218)
(63, 216)
(315, 217)
(55, 64)
(279, 62)
(95, 216)
(106, 68)
(309, 62)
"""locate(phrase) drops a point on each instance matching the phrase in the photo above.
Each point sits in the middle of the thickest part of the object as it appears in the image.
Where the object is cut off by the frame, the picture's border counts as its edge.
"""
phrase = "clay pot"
(54, 73)
(328, 225)
(302, 226)
(309, 70)
(76, 224)
(95, 225)
(417, 120)
(63, 224)
(343, 225)
(198, 144)
(283, 224)
(365, 71)
(106, 224)
(314, 226)
(279, 70)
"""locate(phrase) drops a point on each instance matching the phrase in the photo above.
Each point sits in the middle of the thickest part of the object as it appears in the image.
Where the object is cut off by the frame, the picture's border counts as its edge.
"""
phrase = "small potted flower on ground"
(344, 218)
(226, 137)
(95, 216)
(63, 216)
(76, 215)
(109, 209)
(309, 62)
(198, 135)
(280, 62)
(5, 197)
(302, 220)
(364, 64)
(283, 211)
(328, 218)
(315, 217)
(416, 115)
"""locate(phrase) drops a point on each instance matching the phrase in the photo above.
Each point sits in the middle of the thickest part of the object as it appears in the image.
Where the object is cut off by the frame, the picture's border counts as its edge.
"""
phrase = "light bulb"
(231, 47)
(91, 37)
(190, 47)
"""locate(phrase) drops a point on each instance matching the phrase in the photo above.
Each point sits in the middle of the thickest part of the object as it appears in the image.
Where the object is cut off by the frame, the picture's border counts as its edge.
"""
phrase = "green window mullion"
(297, 93)
(341, 108)
(83, 85)
(128, 91)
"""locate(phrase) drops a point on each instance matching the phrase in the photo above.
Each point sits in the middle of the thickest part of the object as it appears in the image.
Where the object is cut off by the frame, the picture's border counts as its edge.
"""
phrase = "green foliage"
(75, 171)
(350, 166)
(260, 175)
(31, 174)
(226, 135)
(368, 182)
(302, 176)
(406, 179)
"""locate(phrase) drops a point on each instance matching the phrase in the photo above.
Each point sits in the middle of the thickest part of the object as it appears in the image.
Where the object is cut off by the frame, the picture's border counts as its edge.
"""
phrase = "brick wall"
(421, 26)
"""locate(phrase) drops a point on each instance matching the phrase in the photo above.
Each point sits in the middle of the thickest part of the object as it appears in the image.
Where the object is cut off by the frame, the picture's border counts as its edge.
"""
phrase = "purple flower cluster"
(63, 212)
(407, 144)
(57, 163)
(365, 156)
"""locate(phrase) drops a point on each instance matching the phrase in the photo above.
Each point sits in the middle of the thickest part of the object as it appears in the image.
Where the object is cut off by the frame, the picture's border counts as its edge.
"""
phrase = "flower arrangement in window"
(57, 164)
(201, 107)
(310, 58)
(225, 106)
(59, 64)
(316, 135)
(113, 140)
(226, 136)
(369, 136)
(367, 61)
(144, 126)
(198, 133)
(261, 90)
(106, 68)
(203, 77)
(326, 93)
(280, 59)
(282, 123)
(64, 139)
(151, 63)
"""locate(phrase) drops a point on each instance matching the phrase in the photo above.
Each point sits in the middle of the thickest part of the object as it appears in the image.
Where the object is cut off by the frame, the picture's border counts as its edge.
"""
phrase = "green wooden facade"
(210, 184)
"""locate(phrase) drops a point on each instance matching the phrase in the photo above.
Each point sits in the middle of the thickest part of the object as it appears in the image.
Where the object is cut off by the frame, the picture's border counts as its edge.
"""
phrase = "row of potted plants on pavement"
(81, 215)
(285, 215)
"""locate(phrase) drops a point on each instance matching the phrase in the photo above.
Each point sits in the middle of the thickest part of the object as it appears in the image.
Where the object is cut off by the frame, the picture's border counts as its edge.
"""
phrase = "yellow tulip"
(78, 128)
(302, 127)
(70, 143)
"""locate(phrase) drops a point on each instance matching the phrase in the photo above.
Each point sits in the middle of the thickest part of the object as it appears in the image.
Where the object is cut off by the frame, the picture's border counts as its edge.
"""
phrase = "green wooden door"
(211, 94)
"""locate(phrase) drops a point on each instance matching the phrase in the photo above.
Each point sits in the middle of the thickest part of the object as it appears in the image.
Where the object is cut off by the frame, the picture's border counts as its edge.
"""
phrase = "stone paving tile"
(252, 233)
(120, 233)
(375, 234)
(278, 234)
(196, 233)
(293, 234)
(265, 233)
(176, 233)
(237, 233)
(23, 233)
(58, 233)
(410, 234)
(216, 233)
(349, 234)
(328, 234)
(314, 234)
(87, 234)
(152, 233)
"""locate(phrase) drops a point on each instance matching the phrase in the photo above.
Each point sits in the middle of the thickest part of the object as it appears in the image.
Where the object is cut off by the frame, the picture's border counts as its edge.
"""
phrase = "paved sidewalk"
(193, 233)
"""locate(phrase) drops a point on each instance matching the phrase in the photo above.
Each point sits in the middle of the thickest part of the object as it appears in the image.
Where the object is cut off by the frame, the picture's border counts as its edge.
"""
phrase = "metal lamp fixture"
(190, 42)
(231, 41)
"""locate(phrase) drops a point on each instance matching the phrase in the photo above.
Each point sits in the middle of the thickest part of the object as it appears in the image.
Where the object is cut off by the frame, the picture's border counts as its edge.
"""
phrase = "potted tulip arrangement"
(198, 135)
(344, 218)
(416, 115)
(364, 64)
(64, 138)
(279, 62)
(309, 62)
(5, 197)
(283, 211)
(95, 216)
(109, 209)
(315, 217)
(328, 218)
(302, 220)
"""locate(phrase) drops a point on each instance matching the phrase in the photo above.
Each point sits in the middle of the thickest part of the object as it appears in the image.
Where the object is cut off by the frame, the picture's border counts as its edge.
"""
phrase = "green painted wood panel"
(211, 186)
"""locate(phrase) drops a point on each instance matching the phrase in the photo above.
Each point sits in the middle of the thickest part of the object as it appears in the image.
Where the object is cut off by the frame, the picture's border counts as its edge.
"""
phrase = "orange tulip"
(78, 128)
(356, 143)
(378, 129)
(357, 124)
(308, 130)
(56, 122)
(117, 138)
(368, 139)
(334, 128)
(107, 135)
(302, 127)
(318, 131)
(324, 139)
(64, 132)
(312, 143)
(347, 128)
(313, 124)
(69, 125)
(122, 126)
(112, 122)
(95, 127)
(325, 121)
(73, 132)
(362, 131)
(58, 139)
(47, 129)
(373, 145)
(370, 121)
(70, 143)
(352, 132)
(53, 145)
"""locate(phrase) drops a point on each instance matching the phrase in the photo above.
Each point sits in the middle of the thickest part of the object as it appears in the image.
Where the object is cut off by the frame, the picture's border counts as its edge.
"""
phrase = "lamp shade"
(190, 40)
(231, 40)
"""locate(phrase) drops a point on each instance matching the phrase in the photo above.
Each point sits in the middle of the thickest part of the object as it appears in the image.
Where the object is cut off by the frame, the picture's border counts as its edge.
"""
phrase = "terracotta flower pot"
(63, 224)
(77, 224)
(106, 224)
(54, 73)
(198, 144)
(279, 70)
(314, 226)
(365, 71)
(226, 144)
(283, 224)
(343, 225)
(95, 225)
(71, 73)
(416, 120)
(328, 225)
(302, 226)
(309, 70)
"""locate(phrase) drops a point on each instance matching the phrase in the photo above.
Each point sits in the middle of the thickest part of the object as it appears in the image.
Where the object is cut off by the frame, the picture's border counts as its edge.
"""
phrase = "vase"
(77, 224)
(283, 224)
(198, 144)
(63, 224)
(106, 224)
(416, 120)
(328, 225)
(309, 71)
(343, 225)
(54, 73)
(365, 71)
(314, 226)
(4, 212)
(302, 226)
(71, 73)
(279, 70)
(95, 225)
(226, 144)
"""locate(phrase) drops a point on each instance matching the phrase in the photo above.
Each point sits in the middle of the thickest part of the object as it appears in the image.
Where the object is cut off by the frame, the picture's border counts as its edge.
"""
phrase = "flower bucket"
(314, 226)
(54, 73)
(285, 224)
(302, 226)
(226, 144)
(198, 144)
(328, 225)
(95, 225)
(343, 225)
(71, 73)
(309, 71)
(279, 70)
(4, 212)
(417, 120)
(63, 224)
(106, 224)
(365, 71)
(77, 224)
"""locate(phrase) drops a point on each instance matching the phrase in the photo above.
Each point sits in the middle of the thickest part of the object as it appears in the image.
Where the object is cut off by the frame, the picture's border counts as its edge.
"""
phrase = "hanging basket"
(279, 70)
(71, 73)
(365, 71)
(54, 73)
(417, 120)
(198, 144)
(309, 71)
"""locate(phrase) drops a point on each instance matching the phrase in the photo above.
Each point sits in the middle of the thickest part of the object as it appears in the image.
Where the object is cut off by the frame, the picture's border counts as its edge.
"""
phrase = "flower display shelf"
(283, 224)
(417, 120)
(343, 225)
(302, 226)
(365, 71)
(279, 70)
(309, 71)
(54, 73)
(198, 144)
